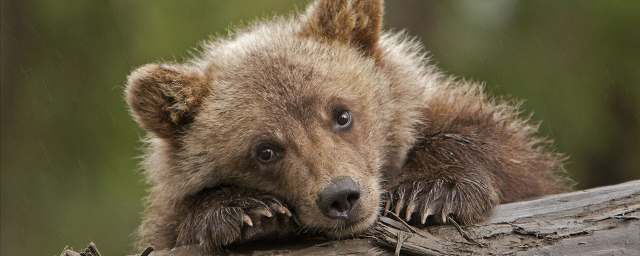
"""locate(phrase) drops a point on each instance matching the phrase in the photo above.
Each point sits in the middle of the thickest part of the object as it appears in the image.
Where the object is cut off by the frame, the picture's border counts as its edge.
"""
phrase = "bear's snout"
(339, 199)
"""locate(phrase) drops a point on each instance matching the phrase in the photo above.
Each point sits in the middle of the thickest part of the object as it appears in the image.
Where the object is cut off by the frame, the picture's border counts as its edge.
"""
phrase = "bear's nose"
(339, 199)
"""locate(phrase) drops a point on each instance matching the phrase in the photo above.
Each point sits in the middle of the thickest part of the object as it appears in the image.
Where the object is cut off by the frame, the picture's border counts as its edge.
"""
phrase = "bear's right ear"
(163, 98)
(354, 22)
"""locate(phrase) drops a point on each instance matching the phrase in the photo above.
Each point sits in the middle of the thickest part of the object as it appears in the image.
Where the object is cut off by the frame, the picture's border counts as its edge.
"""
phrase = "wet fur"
(422, 145)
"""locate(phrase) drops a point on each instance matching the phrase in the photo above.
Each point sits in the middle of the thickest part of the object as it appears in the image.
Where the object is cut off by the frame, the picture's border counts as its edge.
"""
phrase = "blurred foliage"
(69, 147)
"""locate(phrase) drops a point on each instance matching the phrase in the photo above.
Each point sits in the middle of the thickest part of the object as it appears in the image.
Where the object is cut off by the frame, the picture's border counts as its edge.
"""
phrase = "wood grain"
(599, 221)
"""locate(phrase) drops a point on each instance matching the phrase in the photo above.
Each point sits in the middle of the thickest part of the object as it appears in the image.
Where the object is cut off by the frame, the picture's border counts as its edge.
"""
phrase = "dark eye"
(268, 152)
(265, 154)
(344, 118)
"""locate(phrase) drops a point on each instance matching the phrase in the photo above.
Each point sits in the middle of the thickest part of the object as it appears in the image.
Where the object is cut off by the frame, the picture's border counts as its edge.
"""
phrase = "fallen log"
(597, 221)
(601, 221)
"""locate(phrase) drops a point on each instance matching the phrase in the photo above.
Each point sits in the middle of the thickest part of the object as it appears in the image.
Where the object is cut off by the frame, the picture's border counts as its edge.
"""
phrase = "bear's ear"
(163, 98)
(355, 22)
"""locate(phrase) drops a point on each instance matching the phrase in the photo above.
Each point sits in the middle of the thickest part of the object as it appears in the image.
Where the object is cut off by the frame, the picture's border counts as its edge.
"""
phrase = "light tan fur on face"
(291, 106)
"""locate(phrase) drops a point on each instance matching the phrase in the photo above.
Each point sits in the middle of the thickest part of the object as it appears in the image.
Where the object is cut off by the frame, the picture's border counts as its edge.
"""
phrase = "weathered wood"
(599, 221)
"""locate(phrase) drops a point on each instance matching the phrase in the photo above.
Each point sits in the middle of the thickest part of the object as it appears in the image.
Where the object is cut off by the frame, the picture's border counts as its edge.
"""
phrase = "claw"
(410, 209)
(387, 204)
(282, 210)
(417, 188)
(444, 217)
(426, 214)
(399, 206)
(400, 202)
(246, 219)
(277, 207)
(286, 211)
(264, 212)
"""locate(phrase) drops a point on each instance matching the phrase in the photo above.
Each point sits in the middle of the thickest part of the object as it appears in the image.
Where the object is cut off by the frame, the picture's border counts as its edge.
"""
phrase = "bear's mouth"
(350, 229)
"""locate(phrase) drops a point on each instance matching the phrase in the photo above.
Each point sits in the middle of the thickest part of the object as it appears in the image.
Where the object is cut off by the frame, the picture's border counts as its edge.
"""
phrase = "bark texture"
(599, 221)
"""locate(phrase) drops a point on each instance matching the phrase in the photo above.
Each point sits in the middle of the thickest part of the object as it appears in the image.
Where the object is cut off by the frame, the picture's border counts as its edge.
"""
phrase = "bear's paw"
(465, 200)
(234, 215)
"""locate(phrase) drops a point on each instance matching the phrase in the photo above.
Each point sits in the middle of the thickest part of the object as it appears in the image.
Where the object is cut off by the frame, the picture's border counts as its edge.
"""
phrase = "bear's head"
(304, 112)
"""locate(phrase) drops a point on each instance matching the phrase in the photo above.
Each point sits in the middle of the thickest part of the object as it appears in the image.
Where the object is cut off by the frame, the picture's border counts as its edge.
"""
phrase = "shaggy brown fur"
(314, 124)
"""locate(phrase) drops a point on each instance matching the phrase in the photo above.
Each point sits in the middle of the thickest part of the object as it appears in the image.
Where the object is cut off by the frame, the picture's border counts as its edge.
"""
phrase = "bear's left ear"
(354, 22)
(163, 98)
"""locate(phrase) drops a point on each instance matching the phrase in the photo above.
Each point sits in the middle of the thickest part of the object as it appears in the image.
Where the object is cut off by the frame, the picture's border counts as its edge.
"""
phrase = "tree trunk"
(602, 221)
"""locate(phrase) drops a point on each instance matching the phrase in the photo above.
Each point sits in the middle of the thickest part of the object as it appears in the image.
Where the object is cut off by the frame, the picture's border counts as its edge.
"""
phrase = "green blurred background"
(69, 147)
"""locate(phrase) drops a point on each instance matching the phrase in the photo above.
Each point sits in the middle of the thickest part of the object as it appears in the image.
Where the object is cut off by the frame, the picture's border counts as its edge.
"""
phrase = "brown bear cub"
(319, 123)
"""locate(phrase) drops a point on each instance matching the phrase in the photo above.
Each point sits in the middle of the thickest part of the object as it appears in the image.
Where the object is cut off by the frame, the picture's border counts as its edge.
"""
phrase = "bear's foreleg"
(472, 153)
(434, 183)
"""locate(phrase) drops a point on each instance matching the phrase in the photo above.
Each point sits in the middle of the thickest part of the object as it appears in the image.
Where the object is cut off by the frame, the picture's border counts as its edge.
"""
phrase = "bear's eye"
(265, 155)
(344, 118)
(341, 118)
(268, 152)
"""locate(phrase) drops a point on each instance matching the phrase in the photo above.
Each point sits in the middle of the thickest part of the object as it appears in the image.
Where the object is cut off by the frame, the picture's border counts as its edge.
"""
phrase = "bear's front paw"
(465, 200)
(229, 217)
